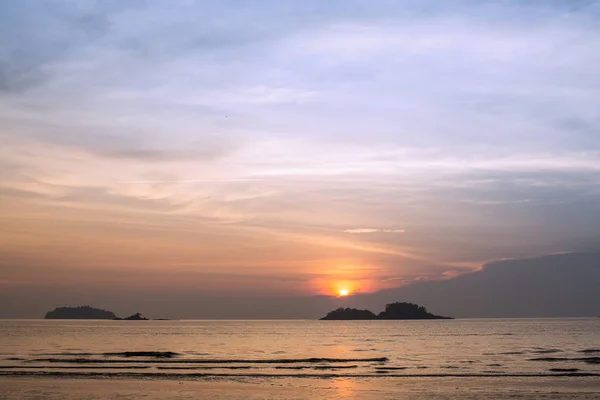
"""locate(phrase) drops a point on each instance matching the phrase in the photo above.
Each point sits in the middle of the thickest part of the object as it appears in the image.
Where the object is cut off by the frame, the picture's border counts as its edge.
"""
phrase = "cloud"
(159, 155)
(192, 181)
(368, 230)
(60, 28)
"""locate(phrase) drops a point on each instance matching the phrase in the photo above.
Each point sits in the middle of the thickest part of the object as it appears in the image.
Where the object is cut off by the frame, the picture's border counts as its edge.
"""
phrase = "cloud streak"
(370, 230)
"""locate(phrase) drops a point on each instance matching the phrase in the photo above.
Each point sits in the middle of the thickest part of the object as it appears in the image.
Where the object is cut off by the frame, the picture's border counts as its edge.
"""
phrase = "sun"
(343, 292)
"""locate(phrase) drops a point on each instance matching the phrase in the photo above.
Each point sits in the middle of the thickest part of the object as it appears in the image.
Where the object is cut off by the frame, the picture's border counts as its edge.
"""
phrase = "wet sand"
(18, 388)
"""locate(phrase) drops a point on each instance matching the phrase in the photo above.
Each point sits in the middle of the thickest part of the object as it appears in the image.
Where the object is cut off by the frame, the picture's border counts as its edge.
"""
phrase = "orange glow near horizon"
(343, 288)
(347, 279)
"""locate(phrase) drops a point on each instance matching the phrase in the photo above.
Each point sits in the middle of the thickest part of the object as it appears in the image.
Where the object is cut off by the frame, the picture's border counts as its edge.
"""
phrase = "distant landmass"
(134, 317)
(393, 311)
(87, 312)
(82, 312)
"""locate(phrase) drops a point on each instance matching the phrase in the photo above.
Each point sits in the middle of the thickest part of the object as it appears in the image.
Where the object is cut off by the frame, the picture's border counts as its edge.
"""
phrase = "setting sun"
(343, 292)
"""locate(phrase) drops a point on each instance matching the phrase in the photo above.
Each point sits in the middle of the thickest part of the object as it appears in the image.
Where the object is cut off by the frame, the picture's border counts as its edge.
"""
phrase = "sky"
(289, 149)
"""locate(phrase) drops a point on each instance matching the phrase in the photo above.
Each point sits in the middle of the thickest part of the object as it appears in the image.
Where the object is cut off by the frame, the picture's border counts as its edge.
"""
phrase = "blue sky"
(366, 142)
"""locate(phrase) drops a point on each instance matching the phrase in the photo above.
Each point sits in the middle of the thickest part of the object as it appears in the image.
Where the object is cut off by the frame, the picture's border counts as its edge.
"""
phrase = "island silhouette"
(81, 312)
(134, 317)
(87, 312)
(393, 311)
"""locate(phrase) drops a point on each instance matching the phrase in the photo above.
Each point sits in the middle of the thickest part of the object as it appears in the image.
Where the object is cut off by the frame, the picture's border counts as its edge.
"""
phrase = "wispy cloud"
(193, 181)
(369, 230)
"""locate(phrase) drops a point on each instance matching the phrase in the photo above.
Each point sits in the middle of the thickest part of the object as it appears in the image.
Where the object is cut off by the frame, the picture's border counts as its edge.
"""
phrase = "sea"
(464, 358)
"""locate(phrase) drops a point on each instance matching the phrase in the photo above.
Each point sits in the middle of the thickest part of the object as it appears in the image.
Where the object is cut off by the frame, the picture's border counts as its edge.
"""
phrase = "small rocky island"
(134, 317)
(393, 311)
(82, 312)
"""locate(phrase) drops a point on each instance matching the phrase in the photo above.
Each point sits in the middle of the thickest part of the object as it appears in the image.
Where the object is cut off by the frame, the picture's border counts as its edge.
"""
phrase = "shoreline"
(577, 388)
(187, 376)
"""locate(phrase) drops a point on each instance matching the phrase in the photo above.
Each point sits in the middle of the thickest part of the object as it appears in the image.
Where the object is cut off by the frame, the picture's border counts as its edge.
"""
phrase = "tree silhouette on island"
(87, 312)
(393, 311)
(81, 312)
(134, 317)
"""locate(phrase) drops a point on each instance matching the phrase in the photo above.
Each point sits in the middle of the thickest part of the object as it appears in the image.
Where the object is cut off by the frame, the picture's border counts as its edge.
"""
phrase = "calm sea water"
(196, 349)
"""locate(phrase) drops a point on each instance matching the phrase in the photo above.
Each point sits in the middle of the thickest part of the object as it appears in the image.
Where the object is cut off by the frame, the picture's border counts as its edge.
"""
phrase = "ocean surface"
(320, 348)
(390, 351)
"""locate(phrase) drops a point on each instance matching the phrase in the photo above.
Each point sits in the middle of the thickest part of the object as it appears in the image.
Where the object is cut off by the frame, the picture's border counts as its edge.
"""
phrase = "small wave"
(391, 368)
(156, 354)
(508, 353)
(67, 354)
(179, 376)
(127, 354)
(550, 359)
(202, 368)
(590, 351)
(468, 334)
(563, 369)
(546, 351)
(326, 367)
(589, 360)
(214, 361)
(78, 367)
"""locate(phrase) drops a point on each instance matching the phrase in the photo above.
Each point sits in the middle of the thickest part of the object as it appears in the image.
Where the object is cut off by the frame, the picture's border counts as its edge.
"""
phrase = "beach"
(301, 388)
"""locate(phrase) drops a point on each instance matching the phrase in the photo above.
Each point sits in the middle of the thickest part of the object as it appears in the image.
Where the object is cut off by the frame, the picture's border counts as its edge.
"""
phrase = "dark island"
(134, 317)
(393, 311)
(87, 312)
(82, 312)
(349, 314)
